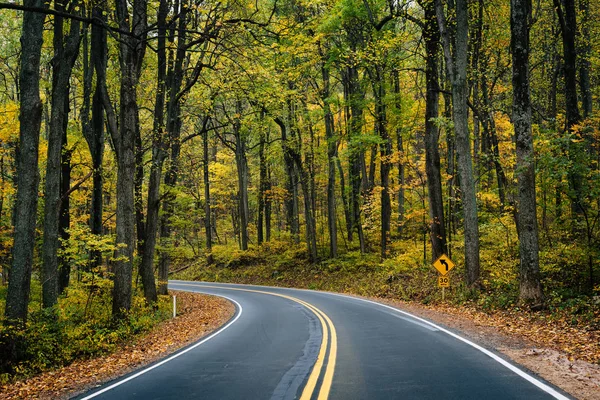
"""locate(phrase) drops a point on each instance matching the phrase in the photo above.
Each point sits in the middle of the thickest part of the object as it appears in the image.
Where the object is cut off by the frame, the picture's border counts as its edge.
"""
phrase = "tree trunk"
(355, 97)
(65, 54)
(131, 54)
(262, 185)
(584, 59)
(30, 118)
(207, 208)
(291, 200)
(159, 153)
(64, 222)
(437, 227)
(457, 70)
(331, 156)
(568, 22)
(378, 83)
(95, 135)
(174, 81)
(530, 287)
(400, 150)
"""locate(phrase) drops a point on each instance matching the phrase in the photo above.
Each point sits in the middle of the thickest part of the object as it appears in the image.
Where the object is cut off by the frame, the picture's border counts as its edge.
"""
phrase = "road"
(300, 344)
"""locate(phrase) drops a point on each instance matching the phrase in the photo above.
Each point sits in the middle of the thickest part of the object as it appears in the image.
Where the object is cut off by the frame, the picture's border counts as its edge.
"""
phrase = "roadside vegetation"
(78, 327)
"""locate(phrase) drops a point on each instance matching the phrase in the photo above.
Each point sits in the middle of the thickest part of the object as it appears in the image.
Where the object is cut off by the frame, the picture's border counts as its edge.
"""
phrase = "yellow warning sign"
(443, 281)
(443, 264)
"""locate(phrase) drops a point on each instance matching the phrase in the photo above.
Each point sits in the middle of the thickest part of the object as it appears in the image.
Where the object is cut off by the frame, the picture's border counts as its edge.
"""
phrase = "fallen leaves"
(198, 316)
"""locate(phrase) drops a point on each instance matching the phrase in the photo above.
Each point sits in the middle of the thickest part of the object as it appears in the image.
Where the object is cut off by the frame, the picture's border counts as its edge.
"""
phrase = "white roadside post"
(174, 306)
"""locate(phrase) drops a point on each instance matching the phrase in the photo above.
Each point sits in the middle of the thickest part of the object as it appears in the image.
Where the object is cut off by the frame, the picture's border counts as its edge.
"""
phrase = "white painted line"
(493, 356)
(142, 372)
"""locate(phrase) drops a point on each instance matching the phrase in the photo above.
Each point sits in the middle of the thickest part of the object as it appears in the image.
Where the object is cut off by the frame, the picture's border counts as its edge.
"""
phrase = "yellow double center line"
(328, 332)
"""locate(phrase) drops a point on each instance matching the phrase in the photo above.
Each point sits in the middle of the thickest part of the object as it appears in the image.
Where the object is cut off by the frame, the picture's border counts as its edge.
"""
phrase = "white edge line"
(142, 372)
(493, 356)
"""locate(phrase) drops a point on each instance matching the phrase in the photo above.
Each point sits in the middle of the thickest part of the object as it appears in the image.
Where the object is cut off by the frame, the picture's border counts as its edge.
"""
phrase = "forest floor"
(198, 315)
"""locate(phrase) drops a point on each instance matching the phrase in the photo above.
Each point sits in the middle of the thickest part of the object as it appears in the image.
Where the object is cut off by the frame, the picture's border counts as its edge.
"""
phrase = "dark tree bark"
(400, 150)
(30, 117)
(291, 184)
(378, 83)
(207, 209)
(457, 70)
(355, 96)
(530, 286)
(262, 184)
(64, 222)
(93, 130)
(584, 59)
(241, 162)
(159, 153)
(66, 50)
(437, 227)
(138, 181)
(568, 22)
(331, 156)
(174, 83)
(131, 54)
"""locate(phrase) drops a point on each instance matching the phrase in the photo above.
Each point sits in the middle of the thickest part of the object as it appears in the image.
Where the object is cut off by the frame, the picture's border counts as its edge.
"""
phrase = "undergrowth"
(79, 326)
(405, 275)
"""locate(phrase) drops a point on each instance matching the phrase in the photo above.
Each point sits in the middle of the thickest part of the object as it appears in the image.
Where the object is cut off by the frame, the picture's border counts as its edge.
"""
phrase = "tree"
(530, 287)
(30, 116)
(437, 230)
(66, 50)
(131, 54)
(456, 64)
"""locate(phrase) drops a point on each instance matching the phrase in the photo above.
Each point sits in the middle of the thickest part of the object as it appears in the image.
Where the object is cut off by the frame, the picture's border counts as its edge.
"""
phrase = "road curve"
(301, 344)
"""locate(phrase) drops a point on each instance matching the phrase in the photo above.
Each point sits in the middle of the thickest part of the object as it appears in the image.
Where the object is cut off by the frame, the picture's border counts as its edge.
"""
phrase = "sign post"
(443, 264)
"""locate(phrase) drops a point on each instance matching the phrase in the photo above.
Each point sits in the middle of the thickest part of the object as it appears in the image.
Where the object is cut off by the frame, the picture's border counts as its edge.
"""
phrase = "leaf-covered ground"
(198, 316)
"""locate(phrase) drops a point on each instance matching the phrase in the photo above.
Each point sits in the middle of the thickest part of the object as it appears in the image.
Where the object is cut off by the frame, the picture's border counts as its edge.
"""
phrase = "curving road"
(300, 344)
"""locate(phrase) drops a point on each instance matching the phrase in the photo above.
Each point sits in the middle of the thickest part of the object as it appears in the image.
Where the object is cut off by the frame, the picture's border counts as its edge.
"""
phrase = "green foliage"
(79, 326)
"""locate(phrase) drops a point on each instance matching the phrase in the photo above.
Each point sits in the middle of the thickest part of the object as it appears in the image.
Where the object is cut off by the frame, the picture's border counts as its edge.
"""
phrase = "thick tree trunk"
(530, 286)
(457, 70)
(159, 154)
(437, 227)
(65, 54)
(30, 117)
(96, 139)
(131, 52)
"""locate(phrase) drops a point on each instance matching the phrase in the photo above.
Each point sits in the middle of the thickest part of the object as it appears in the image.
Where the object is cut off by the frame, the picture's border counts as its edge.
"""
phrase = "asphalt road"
(299, 344)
